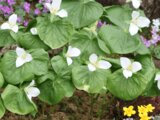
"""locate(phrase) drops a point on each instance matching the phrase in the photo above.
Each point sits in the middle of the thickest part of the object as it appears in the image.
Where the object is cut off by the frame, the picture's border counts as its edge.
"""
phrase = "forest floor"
(86, 107)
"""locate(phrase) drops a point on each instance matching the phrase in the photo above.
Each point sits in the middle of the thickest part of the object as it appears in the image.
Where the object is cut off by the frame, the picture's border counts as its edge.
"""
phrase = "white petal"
(14, 28)
(136, 66)
(136, 3)
(32, 83)
(125, 62)
(32, 92)
(20, 51)
(91, 67)
(56, 4)
(5, 26)
(104, 64)
(62, 13)
(34, 31)
(127, 73)
(156, 22)
(28, 58)
(13, 19)
(69, 61)
(73, 52)
(19, 62)
(133, 29)
(93, 58)
(157, 77)
(135, 14)
(143, 22)
(48, 5)
(158, 85)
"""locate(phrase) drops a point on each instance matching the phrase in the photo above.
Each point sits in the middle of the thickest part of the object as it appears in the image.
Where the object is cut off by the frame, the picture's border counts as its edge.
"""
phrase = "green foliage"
(38, 66)
(15, 101)
(117, 40)
(82, 13)
(5, 38)
(29, 41)
(131, 88)
(49, 48)
(50, 32)
(92, 82)
(2, 108)
(87, 42)
(57, 85)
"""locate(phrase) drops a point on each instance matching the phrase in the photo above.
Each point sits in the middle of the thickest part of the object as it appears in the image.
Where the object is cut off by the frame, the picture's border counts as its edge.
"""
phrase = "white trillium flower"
(95, 63)
(54, 8)
(156, 22)
(138, 22)
(22, 57)
(11, 24)
(157, 78)
(136, 3)
(129, 67)
(72, 52)
(34, 31)
(31, 90)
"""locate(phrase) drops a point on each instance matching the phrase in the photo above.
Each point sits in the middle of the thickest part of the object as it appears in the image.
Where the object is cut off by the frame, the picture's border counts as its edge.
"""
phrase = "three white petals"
(129, 68)
(54, 8)
(11, 24)
(31, 90)
(22, 57)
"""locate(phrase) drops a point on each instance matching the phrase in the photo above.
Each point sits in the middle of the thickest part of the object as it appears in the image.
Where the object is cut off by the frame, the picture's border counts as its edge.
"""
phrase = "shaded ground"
(85, 107)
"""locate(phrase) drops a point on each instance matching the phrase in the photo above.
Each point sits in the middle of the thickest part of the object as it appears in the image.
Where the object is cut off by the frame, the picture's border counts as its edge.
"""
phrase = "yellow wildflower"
(142, 110)
(144, 117)
(150, 108)
(129, 111)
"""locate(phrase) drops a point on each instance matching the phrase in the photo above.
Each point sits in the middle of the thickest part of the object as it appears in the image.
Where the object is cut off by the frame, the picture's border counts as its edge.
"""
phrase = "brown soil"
(85, 107)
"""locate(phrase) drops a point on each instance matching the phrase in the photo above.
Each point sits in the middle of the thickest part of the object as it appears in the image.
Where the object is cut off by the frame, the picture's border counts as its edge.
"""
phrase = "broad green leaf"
(157, 52)
(120, 16)
(92, 82)
(87, 43)
(118, 41)
(29, 41)
(103, 47)
(59, 64)
(153, 91)
(55, 89)
(59, 84)
(5, 38)
(131, 88)
(83, 13)
(1, 80)
(54, 34)
(2, 109)
(16, 101)
(38, 66)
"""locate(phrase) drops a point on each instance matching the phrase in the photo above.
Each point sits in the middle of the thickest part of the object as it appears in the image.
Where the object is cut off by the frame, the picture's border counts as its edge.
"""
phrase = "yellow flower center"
(129, 67)
(24, 55)
(53, 11)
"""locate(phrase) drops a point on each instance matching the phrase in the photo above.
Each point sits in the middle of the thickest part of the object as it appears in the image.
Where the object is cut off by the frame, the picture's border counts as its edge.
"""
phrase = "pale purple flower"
(6, 10)
(19, 19)
(26, 7)
(37, 11)
(146, 42)
(100, 24)
(25, 23)
(10, 2)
